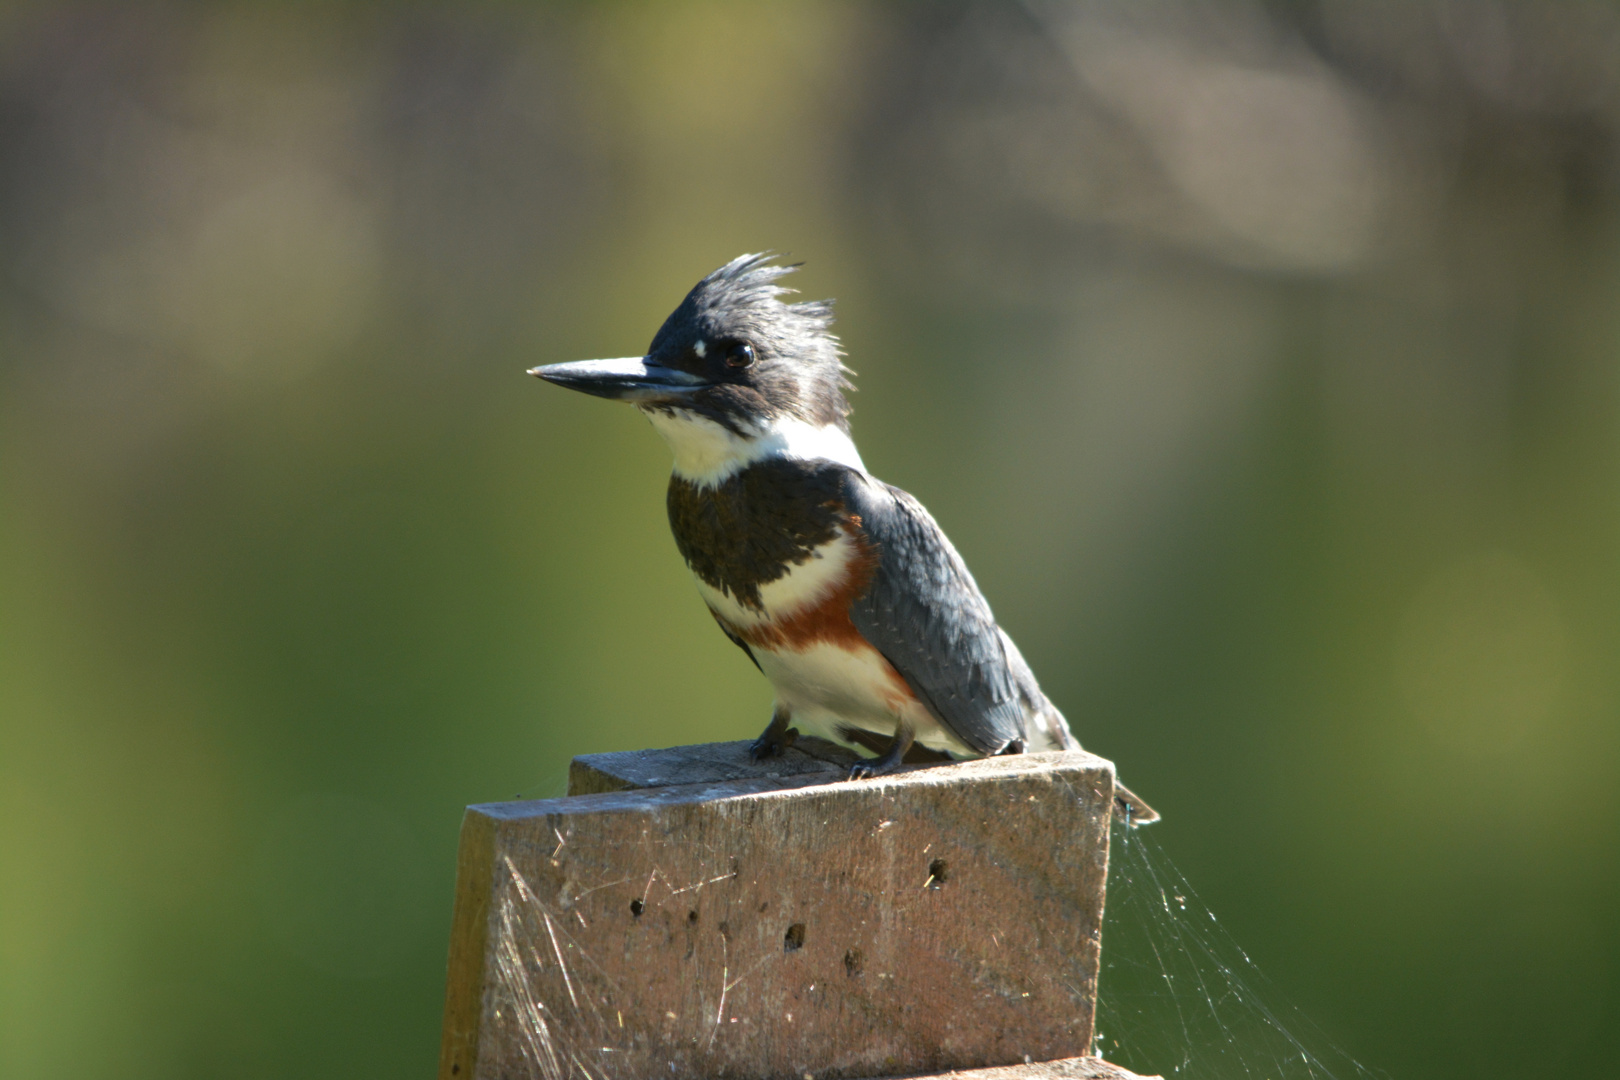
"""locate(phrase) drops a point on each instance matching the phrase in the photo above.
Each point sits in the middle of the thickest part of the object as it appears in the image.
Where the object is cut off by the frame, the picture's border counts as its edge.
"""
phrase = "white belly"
(823, 684)
(825, 687)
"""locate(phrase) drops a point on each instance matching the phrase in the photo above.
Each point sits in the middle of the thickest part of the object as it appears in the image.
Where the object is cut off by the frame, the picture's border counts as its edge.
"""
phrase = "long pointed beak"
(629, 378)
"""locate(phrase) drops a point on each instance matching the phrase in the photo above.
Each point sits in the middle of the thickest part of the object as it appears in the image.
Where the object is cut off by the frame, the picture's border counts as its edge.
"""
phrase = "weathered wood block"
(743, 924)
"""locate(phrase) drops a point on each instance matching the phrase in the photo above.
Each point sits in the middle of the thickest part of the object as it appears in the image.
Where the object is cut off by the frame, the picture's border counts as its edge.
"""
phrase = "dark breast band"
(751, 529)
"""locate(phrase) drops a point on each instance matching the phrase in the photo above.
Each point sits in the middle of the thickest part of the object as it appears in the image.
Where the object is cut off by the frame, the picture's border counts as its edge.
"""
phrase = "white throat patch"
(706, 454)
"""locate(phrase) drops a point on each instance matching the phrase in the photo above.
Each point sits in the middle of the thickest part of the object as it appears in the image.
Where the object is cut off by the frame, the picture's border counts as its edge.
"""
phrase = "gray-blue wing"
(925, 614)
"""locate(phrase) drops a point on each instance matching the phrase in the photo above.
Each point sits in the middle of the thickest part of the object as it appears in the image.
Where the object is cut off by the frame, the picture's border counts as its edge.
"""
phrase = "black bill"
(628, 378)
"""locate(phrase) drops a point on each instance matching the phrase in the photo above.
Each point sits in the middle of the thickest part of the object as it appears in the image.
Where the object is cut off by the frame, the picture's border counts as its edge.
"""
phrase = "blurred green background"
(1263, 359)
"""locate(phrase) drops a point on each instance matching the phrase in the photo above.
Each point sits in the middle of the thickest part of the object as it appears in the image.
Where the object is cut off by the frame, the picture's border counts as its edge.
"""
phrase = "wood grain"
(773, 926)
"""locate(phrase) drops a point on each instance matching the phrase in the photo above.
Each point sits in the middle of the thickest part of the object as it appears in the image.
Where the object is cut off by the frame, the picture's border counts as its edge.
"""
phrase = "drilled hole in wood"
(794, 938)
(938, 871)
(691, 918)
(853, 962)
(637, 907)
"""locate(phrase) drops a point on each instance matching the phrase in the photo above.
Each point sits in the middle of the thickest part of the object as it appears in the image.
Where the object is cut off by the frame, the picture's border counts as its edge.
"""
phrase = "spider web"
(1179, 996)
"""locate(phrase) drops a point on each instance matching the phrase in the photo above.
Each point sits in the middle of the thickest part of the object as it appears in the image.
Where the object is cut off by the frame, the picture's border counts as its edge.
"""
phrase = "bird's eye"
(740, 355)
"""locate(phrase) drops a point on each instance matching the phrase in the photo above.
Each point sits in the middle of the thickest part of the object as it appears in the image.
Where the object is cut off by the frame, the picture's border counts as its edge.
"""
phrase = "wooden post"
(692, 913)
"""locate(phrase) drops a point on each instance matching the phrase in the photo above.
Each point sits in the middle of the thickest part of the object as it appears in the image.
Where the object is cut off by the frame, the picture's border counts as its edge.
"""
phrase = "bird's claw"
(773, 742)
(863, 770)
(889, 762)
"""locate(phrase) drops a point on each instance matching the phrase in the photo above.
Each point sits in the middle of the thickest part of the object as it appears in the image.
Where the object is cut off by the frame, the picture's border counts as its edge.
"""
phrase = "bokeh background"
(1263, 359)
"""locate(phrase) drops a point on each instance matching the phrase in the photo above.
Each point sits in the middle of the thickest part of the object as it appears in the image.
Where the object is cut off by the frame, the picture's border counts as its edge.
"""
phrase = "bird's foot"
(873, 767)
(889, 762)
(767, 747)
(774, 739)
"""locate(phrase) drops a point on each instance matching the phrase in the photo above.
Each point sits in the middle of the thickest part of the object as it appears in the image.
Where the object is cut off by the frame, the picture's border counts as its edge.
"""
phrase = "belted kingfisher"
(840, 588)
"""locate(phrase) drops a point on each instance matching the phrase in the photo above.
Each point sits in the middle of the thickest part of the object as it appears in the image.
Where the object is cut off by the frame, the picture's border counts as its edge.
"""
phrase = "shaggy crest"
(799, 368)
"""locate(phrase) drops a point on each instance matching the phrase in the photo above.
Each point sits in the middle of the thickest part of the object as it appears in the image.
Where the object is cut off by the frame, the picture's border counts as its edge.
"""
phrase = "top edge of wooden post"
(704, 763)
(693, 788)
(809, 758)
(682, 774)
(711, 763)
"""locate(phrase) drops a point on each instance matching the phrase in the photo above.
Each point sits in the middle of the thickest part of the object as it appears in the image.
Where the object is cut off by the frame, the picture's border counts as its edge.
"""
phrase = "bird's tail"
(1128, 805)
(1048, 730)
(1130, 808)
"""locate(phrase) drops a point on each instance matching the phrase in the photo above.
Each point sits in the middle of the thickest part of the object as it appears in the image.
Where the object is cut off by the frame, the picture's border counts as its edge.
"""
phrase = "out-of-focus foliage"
(1263, 360)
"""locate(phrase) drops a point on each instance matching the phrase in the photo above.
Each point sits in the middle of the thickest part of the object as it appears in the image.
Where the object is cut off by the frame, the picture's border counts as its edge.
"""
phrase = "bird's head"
(733, 375)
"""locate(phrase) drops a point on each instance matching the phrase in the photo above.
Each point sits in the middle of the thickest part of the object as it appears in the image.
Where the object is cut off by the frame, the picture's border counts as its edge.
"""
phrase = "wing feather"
(925, 614)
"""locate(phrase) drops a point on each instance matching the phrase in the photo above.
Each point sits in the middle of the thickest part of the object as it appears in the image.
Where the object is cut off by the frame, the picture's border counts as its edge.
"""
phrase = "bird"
(842, 589)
